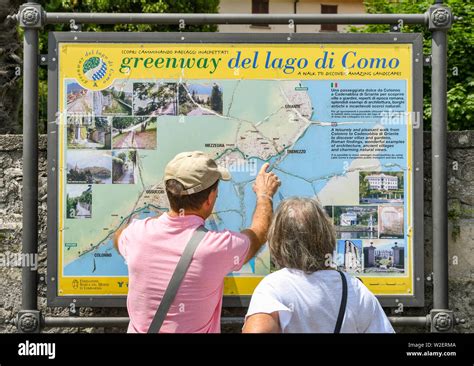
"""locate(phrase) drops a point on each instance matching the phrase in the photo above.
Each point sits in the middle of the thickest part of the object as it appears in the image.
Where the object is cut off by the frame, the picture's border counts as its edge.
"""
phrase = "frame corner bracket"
(442, 321)
(29, 321)
(31, 15)
(440, 17)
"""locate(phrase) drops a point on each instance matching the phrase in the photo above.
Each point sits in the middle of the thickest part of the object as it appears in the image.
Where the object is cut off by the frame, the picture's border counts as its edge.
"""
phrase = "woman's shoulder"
(276, 277)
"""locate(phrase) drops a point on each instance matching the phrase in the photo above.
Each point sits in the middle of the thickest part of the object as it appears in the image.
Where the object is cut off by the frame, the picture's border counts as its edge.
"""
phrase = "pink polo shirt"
(152, 248)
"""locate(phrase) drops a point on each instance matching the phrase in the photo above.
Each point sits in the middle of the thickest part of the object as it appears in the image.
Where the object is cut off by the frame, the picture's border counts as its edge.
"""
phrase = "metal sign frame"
(438, 19)
(55, 38)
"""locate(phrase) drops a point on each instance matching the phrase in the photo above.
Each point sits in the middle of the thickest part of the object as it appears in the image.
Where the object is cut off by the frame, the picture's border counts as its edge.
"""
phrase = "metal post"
(85, 322)
(30, 20)
(440, 22)
(30, 164)
(439, 168)
(414, 321)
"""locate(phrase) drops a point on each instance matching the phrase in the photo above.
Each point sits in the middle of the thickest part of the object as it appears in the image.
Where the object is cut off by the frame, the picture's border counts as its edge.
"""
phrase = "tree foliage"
(101, 123)
(10, 70)
(155, 97)
(132, 156)
(121, 123)
(216, 99)
(460, 51)
(122, 156)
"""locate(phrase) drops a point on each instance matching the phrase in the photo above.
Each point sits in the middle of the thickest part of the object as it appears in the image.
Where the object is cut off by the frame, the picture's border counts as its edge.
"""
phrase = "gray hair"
(302, 235)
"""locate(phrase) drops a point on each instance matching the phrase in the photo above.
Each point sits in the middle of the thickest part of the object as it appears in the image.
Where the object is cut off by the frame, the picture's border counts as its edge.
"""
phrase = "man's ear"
(211, 197)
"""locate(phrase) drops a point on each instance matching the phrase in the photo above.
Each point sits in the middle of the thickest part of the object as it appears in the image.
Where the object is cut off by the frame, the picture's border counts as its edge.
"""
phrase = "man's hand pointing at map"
(265, 186)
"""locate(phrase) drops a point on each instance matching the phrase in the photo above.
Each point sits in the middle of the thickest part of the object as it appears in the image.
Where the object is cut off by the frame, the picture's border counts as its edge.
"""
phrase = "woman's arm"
(262, 323)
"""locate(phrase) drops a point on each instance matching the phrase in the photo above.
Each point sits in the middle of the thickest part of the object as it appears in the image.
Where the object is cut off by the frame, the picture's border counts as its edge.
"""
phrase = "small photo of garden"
(134, 133)
(79, 201)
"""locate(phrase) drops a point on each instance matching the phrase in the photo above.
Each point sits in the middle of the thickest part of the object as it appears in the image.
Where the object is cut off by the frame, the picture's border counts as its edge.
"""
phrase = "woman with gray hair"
(307, 295)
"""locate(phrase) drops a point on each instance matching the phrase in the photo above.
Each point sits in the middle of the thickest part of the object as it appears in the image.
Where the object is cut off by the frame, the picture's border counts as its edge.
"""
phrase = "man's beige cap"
(195, 170)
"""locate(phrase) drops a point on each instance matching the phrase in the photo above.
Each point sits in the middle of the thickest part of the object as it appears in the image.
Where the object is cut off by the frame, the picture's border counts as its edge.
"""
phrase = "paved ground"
(127, 177)
(81, 211)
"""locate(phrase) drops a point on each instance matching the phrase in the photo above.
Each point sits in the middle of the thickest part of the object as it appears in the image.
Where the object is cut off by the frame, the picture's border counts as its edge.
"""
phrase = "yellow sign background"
(73, 55)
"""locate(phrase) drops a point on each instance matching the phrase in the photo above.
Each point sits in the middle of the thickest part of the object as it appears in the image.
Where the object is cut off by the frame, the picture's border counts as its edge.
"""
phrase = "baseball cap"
(195, 170)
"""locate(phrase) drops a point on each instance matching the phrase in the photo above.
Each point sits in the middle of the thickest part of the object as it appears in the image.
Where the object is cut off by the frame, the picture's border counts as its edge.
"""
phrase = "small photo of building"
(382, 182)
(356, 222)
(349, 255)
(384, 256)
(381, 187)
(78, 99)
(391, 223)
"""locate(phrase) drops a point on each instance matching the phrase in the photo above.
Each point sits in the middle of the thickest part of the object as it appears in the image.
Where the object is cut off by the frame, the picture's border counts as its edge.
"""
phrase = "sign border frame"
(54, 38)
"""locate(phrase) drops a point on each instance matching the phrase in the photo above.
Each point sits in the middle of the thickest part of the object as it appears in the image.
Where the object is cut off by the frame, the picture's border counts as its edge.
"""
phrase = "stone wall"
(461, 233)
(461, 230)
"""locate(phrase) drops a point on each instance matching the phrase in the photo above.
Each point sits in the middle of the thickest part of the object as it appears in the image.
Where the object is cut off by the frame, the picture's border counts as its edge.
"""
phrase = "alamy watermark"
(239, 165)
(28, 348)
(19, 260)
(395, 118)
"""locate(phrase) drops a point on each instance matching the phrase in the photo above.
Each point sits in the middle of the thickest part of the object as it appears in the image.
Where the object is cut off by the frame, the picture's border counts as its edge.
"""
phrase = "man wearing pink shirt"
(152, 247)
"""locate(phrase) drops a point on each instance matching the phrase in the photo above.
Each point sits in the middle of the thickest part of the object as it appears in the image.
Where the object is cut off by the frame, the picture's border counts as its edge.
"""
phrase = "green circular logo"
(94, 68)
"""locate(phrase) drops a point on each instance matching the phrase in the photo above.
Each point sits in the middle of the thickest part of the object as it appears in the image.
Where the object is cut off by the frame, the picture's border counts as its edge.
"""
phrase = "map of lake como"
(328, 138)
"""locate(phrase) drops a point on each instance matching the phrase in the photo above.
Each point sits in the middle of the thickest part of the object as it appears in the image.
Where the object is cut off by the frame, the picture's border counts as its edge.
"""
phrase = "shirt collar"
(182, 221)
